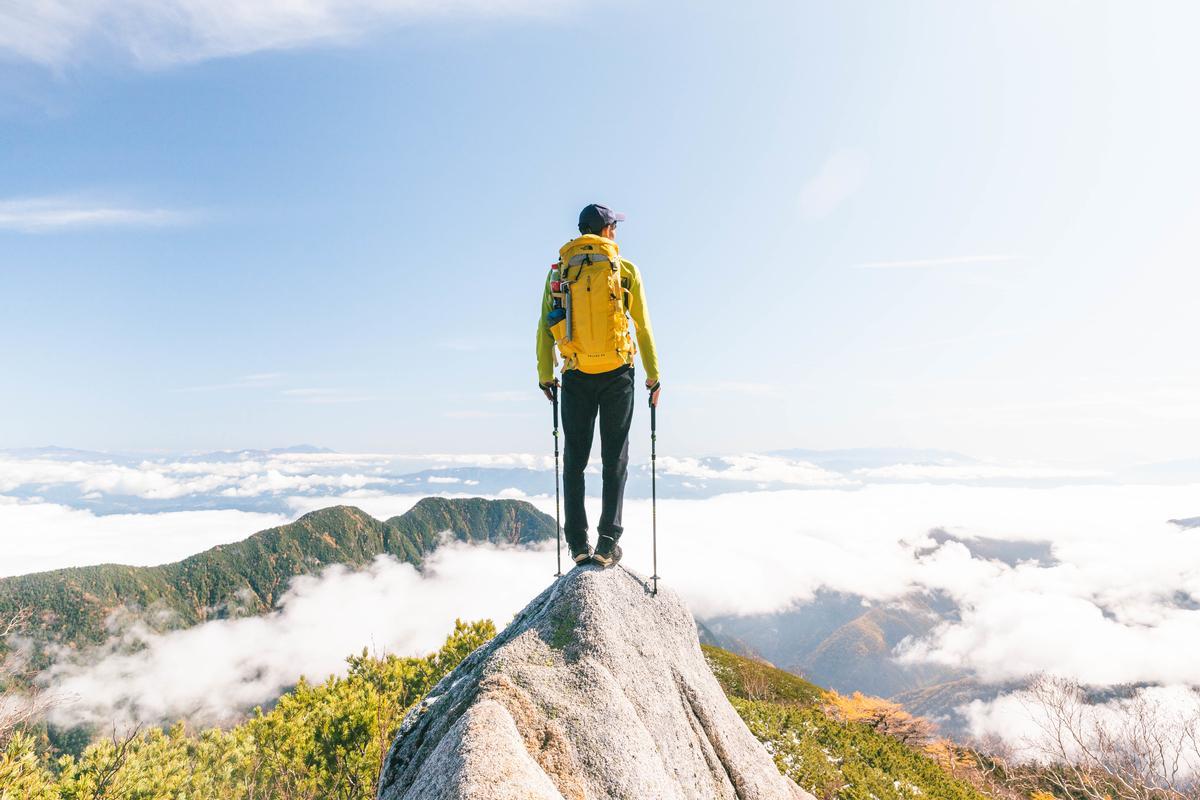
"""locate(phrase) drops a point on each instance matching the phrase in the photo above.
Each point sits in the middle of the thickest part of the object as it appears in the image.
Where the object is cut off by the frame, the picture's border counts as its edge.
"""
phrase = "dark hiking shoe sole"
(609, 560)
(584, 557)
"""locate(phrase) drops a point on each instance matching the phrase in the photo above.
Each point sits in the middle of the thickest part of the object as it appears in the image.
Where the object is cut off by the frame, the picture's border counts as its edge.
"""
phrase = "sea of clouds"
(1117, 603)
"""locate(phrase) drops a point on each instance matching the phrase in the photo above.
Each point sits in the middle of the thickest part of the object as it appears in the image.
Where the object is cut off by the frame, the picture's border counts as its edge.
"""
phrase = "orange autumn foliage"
(882, 715)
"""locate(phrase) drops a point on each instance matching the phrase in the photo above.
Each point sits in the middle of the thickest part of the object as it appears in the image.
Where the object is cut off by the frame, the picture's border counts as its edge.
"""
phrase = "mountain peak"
(598, 688)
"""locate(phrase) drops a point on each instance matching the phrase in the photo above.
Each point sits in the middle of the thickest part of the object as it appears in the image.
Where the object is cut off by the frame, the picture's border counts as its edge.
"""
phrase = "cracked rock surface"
(597, 690)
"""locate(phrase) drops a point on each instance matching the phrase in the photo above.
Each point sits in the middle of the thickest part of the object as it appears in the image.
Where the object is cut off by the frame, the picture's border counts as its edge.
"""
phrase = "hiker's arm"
(641, 319)
(545, 340)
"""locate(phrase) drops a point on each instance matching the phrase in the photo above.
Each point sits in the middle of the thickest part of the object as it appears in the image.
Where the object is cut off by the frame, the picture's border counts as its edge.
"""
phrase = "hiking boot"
(608, 552)
(583, 555)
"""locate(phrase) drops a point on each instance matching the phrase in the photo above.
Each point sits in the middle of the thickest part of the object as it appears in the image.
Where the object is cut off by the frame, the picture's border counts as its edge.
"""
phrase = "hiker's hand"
(655, 388)
(548, 388)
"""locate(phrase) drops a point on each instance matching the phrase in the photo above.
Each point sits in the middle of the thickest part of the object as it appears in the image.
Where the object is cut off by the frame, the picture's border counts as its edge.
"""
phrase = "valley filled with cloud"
(1091, 577)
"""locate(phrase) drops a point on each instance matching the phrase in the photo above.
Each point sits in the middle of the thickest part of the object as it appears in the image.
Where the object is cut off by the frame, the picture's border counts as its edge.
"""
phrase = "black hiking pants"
(608, 395)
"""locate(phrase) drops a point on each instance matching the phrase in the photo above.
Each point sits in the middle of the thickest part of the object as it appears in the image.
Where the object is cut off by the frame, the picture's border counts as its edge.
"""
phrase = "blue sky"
(921, 224)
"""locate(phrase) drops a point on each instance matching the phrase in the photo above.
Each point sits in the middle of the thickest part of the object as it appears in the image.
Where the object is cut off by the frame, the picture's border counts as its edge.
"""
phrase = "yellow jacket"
(631, 280)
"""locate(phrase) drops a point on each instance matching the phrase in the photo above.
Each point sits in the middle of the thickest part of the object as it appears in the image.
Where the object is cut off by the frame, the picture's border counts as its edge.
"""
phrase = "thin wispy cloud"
(158, 33)
(259, 380)
(322, 395)
(838, 178)
(49, 214)
(952, 261)
(749, 388)
(509, 395)
(272, 381)
(464, 345)
(481, 413)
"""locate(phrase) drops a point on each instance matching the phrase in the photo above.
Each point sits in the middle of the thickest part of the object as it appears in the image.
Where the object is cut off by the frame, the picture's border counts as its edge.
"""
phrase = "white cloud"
(936, 262)
(520, 460)
(753, 468)
(1025, 722)
(974, 472)
(46, 214)
(213, 672)
(165, 480)
(257, 381)
(1105, 612)
(839, 177)
(157, 33)
(148, 481)
(1105, 615)
(41, 536)
(275, 482)
(1115, 607)
(479, 413)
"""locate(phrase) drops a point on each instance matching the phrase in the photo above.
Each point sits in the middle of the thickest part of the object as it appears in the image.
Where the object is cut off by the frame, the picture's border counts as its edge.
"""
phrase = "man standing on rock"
(589, 297)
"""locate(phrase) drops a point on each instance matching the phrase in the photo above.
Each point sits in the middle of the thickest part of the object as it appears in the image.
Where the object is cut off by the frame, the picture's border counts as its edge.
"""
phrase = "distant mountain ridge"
(840, 640)
(56, 453)
(72, 606)
(849, 459)
(99, 482)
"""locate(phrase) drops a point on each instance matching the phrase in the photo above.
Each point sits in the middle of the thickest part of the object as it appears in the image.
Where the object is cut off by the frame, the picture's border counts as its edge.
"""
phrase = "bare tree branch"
(1133, 747)
(20, 704)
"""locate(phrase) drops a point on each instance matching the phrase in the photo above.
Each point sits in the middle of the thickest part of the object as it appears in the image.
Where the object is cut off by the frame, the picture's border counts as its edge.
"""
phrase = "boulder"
(597, 690)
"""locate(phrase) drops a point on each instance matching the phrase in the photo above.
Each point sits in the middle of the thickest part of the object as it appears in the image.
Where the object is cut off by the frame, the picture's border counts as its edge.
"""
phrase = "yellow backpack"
(588, 319)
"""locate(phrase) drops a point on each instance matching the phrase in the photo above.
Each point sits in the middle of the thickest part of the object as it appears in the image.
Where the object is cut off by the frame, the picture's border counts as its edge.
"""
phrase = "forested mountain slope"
(73, 606)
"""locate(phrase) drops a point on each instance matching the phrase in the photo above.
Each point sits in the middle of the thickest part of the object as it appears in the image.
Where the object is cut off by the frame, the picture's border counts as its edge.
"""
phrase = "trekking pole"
(654, 488)
(557, 526)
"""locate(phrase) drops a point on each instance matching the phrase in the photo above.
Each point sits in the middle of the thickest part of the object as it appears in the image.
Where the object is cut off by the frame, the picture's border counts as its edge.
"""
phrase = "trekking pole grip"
(554, 392)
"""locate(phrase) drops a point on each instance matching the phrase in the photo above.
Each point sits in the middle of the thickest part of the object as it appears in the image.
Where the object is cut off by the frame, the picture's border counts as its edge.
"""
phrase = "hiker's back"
(588, 320)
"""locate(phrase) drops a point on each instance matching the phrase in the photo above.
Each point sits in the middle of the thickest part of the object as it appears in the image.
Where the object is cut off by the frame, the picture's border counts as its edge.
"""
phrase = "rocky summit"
(597, 690)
